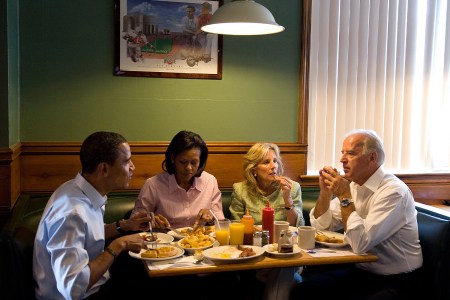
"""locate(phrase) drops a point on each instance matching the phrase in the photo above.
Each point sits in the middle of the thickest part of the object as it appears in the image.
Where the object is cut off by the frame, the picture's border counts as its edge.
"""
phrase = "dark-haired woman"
(183, 190)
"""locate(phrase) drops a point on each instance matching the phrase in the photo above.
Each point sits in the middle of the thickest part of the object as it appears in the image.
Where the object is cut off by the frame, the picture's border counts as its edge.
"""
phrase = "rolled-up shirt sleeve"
(67, 237)
(69, 259)
(330, 220)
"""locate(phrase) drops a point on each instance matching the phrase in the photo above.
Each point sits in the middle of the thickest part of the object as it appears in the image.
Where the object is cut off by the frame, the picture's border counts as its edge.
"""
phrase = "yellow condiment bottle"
(248, 229)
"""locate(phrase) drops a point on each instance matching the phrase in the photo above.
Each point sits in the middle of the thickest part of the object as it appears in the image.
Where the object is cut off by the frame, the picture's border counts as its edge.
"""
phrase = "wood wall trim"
(303, 100)
(9, 177)
(44, 166)
(427, 188)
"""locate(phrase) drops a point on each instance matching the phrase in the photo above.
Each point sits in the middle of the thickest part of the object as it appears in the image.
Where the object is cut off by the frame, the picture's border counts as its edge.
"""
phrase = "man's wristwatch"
(345, 202)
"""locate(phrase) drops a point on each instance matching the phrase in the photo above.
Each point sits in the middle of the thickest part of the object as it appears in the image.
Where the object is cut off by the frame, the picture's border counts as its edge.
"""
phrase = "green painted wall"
(9, 73)
(67, 89)
(4, 124)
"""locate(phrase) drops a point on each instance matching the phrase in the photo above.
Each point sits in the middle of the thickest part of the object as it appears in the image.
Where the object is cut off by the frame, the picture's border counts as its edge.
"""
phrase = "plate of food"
(272, 250)
(183, 230)
(330, 239)
(161, 238)
(233, 253)
(160, 252)
(191, 243)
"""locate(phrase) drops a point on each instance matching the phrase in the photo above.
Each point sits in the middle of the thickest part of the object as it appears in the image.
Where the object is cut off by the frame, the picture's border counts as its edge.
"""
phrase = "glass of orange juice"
(222, 230)
(237, 232)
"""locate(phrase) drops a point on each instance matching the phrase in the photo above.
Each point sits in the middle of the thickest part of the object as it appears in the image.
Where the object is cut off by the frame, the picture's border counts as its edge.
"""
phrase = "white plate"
(162, 238)
(336, 235)
(176, 235)
(192, 250)
(269, 249)
(180, 252)
(230, 254)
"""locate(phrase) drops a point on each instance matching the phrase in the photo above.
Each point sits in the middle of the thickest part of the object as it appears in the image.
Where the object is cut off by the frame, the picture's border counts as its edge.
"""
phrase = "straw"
(215, 218)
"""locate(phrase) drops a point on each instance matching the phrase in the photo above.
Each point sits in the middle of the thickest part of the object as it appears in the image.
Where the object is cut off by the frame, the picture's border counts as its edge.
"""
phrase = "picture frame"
(162, 38)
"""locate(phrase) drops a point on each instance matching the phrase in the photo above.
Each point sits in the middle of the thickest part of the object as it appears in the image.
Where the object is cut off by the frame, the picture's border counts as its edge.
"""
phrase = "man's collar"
(89, 190)
(374, 181)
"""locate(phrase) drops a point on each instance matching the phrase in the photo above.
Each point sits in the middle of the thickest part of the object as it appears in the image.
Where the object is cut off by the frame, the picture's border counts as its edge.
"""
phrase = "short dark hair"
(100, 147)
(182, 141)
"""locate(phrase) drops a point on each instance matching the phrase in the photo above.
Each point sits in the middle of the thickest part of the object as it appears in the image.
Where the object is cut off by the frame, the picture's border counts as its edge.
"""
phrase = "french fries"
(199, 240)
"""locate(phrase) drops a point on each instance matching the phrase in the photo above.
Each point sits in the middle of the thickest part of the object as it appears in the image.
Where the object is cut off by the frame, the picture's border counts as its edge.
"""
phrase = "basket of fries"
(197, 241)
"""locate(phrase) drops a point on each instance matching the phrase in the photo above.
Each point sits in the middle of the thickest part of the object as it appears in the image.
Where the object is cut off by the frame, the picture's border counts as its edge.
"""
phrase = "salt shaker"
(265, 237)
(257, 238)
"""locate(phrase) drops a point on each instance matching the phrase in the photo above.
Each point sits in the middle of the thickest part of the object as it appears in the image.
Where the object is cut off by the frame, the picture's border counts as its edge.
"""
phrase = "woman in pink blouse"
(183, 191)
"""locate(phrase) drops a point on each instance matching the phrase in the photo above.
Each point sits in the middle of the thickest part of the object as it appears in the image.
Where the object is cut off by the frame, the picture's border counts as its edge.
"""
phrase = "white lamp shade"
(242, 17)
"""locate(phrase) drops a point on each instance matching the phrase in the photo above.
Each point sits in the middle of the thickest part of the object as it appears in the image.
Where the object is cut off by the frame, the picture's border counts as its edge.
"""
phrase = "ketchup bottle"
(267, 220)
(248, 229)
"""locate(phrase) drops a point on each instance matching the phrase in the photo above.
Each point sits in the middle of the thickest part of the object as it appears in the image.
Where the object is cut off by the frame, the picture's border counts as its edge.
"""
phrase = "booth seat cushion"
(434, 235)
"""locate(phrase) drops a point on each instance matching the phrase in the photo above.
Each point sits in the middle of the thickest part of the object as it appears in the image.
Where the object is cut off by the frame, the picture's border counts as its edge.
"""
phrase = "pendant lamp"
(242, 17)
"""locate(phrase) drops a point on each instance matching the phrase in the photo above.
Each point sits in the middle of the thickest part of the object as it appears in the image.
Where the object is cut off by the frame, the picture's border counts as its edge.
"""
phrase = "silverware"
(312, 251)
(151, 229)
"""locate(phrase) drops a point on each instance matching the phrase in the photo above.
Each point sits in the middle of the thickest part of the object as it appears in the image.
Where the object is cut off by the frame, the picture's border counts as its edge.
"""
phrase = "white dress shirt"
(384, 224)
(70, 234)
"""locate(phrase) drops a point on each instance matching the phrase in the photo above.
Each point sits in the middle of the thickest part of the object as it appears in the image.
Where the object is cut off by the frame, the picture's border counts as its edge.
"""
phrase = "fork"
(150, 228)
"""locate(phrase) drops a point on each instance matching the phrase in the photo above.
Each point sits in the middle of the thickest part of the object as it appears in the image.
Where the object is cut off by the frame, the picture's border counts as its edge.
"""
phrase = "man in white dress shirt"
(377, 212)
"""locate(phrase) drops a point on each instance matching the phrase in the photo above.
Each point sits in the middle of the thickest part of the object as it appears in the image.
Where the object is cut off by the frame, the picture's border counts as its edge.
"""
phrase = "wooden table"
(263, 262)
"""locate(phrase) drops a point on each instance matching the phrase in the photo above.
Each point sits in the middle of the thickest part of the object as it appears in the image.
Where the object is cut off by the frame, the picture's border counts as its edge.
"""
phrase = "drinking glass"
(222, 230)
(237, 232)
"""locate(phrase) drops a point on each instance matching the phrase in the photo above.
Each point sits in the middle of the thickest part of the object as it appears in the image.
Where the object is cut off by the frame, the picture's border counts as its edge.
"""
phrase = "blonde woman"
(264, 181)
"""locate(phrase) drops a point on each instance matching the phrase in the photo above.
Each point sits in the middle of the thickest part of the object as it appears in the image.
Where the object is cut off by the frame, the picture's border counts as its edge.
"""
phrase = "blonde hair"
(255, 155)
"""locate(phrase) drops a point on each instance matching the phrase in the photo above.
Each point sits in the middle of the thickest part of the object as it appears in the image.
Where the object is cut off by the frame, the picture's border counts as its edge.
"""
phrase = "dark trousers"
(350, 282)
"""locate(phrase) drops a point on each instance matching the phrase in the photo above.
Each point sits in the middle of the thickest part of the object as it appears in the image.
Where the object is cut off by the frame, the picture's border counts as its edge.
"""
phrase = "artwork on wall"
(162, 38)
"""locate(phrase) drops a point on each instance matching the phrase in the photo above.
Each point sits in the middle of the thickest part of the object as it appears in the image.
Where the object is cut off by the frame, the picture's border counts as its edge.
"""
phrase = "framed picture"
(162, 38)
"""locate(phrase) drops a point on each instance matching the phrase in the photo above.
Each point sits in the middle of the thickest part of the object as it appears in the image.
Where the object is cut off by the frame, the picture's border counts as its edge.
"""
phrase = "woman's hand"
(286, 187)
(160, 222)
(204, 216)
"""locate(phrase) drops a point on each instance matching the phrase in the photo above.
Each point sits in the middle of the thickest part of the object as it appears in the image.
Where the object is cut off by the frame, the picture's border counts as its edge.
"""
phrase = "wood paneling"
(9, 177)
(430, 188)
(44, 166)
